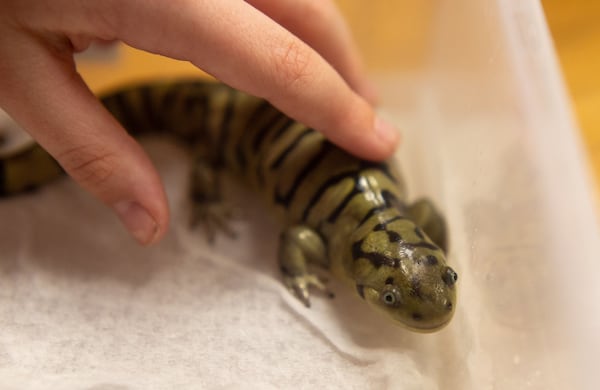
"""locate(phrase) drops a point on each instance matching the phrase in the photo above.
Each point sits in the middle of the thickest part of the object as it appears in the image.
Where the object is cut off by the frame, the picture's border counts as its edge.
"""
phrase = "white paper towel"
(82, 306)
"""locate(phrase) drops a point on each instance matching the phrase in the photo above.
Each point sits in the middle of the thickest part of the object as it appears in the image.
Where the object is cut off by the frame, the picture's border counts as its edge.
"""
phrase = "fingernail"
(387, 133)
(137, 220)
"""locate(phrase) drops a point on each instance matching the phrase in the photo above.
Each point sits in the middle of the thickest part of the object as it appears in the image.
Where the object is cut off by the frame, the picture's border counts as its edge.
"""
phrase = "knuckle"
(89, 165)
(292, 63)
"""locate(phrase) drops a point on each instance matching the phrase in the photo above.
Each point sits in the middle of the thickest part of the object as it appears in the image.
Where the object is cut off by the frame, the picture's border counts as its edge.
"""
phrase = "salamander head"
(400, 271)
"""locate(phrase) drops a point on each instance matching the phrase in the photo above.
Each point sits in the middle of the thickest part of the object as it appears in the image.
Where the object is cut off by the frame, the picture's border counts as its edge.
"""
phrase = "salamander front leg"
(208, 207)
(427, 217)
(300, 246)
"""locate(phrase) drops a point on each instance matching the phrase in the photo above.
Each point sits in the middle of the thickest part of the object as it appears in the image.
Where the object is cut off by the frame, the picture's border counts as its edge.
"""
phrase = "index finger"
(243, 47)
(320, 24)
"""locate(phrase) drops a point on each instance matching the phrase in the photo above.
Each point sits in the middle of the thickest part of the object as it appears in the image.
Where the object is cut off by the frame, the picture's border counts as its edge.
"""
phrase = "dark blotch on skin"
(383, 225)
(393, 236)
(356, 249)
(432, 260)
(389, 280)
(417, 316)
(389, 198)
(369, 214)
(376, 259)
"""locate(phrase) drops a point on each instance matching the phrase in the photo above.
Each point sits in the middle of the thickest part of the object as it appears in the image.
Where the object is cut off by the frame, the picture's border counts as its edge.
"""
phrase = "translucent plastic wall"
(492, 138)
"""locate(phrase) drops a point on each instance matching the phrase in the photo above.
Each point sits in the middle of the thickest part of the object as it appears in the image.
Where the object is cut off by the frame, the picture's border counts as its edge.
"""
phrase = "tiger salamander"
(347, 215)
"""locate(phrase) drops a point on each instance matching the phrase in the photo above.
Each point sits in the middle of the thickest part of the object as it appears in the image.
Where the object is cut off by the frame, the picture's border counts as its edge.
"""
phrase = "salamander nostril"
(449, 276)
(448, 305)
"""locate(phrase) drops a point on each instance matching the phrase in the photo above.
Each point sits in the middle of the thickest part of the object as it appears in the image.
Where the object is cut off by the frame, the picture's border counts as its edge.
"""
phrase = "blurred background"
(574, 26)
(405, 26)
(576, 32)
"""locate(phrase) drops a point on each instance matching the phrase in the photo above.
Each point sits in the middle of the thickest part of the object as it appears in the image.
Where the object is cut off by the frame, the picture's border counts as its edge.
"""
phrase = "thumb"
(41, 90)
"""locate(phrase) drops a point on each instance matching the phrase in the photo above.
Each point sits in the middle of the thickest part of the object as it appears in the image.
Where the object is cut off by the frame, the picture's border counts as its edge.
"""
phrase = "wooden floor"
(575, 26)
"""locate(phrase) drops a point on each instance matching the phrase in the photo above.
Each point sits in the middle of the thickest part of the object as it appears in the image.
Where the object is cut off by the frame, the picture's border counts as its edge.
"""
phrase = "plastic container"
(488, 135)
(516, 190)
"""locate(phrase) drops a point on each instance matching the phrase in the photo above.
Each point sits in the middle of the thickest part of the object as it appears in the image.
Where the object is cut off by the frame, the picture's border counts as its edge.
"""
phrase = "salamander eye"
(449, 277)
(391, 297)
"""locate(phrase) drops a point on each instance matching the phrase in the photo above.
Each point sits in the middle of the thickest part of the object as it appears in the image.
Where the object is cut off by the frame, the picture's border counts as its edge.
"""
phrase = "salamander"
(338, 212)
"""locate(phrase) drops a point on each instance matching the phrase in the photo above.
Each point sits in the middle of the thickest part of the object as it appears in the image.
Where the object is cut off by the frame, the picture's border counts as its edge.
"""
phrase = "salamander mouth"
(429, 329)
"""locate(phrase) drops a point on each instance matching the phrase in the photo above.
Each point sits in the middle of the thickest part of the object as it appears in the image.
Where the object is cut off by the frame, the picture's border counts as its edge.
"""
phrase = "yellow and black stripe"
(294, 166)
(26, 170)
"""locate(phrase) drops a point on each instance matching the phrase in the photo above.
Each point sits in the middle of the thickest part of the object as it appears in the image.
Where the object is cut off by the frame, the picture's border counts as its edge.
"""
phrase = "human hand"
(249, 45)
